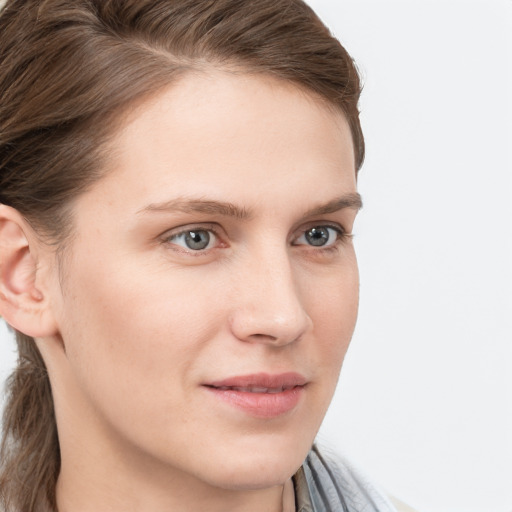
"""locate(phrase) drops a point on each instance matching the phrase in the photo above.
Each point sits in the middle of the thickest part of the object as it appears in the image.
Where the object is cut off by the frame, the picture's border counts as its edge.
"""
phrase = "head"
(153, 157)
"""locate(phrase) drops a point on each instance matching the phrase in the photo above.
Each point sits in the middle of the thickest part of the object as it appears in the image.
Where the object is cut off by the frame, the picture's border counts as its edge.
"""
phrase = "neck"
(143, 498)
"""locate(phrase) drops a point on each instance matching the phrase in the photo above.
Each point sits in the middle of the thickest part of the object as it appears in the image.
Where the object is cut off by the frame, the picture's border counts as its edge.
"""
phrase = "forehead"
(231, 134)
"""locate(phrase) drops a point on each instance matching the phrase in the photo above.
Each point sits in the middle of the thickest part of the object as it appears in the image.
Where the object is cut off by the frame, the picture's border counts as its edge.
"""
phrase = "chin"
(253, 477)
(261, 463)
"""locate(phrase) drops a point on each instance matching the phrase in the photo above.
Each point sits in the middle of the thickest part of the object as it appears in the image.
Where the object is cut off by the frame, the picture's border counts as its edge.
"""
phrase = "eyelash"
(342, 237)
(203, 228)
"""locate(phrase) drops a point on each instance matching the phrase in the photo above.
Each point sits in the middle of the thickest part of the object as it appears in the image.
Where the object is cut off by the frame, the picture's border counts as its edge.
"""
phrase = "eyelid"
(320, 224)
(342, 235)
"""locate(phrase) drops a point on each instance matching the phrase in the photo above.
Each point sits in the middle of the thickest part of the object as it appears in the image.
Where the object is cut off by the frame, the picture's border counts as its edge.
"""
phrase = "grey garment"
(324, 484)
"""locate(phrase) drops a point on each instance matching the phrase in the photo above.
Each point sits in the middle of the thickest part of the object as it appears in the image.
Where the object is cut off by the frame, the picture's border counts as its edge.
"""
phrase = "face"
(209, 294)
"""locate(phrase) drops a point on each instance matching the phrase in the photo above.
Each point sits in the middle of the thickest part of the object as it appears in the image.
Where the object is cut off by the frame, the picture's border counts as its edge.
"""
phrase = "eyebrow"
(199, 206)
(349, 201)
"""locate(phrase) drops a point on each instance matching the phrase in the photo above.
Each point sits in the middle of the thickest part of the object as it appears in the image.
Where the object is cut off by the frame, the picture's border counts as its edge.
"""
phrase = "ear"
(23, 304)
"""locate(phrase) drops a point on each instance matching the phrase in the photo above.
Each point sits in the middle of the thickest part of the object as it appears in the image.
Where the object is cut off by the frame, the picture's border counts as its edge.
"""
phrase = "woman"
(178, 189)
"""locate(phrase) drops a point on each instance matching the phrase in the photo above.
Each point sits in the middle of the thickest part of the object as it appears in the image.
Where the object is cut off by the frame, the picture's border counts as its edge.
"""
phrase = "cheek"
(133, 355)
(132, 337)
(134, 324)
(333, 308)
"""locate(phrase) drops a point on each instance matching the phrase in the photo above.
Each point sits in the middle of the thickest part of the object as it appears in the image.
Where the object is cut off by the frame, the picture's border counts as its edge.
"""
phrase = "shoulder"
(334, 484)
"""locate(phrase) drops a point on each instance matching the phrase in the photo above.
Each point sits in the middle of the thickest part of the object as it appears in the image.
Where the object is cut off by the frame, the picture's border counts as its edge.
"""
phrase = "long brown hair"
(69, 69)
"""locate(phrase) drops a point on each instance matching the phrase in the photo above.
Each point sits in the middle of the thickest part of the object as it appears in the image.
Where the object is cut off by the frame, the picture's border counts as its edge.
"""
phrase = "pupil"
(197, 240)
(317, 236)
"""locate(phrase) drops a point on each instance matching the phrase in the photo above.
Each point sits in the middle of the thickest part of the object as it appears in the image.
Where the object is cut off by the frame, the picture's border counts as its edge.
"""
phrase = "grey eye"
(197, 240)
(193, 239)
(319, 236)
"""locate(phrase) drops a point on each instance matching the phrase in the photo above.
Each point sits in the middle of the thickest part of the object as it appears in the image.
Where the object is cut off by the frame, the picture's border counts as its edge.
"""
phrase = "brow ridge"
(352, 201)
(212, 207)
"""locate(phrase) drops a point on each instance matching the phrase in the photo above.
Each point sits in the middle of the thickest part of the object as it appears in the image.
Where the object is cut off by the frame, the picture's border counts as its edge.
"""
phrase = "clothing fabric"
(326, 484)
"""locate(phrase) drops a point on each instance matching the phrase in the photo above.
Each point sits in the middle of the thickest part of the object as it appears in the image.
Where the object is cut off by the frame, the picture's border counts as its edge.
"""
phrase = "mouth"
(270, 391)
(260, 395)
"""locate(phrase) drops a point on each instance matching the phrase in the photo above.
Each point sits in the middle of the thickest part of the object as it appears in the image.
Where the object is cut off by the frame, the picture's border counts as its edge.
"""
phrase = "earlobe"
(22, 304)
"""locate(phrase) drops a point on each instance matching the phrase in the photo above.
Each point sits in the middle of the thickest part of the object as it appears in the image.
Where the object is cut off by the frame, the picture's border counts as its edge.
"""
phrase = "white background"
(425, 399)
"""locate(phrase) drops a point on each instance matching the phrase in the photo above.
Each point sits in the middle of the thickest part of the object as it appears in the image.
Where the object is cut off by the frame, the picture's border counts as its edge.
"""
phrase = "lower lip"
(261, 405)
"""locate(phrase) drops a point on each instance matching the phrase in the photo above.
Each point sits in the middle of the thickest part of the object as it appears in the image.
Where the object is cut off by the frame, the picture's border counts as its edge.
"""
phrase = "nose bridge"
(269, 308)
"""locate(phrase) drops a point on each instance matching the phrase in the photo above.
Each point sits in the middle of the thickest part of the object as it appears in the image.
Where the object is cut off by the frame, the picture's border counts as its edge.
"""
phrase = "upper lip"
(261, 381)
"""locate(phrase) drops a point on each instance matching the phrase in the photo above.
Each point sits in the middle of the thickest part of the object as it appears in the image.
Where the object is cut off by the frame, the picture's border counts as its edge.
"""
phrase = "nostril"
(263, 336)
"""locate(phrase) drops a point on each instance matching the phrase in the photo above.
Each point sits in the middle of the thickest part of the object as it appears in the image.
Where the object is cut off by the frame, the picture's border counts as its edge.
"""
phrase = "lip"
(261, 395)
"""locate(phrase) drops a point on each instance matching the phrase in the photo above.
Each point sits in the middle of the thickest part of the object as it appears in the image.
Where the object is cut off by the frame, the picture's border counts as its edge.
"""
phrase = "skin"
(141, 322)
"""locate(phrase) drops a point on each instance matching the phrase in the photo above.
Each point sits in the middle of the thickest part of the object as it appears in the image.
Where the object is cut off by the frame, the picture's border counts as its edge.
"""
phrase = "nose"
(267, 303)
